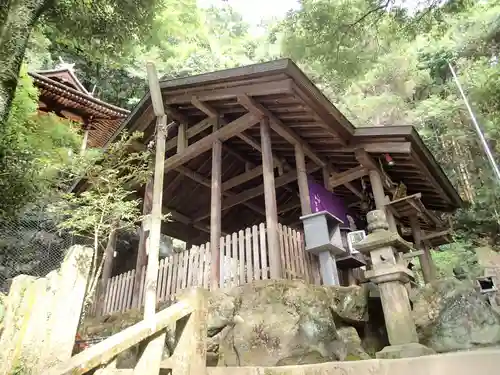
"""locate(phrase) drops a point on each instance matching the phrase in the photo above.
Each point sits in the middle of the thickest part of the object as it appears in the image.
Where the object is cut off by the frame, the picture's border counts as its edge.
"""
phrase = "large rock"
(289, 322)
(268, 323)
(451, 315)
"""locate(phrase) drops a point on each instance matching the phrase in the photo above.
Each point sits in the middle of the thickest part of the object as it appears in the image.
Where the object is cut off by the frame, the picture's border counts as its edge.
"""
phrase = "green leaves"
(33, 149)
(109, 201)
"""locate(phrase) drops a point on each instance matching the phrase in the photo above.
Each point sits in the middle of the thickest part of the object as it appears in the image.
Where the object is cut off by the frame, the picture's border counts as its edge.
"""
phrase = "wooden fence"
(244, 258)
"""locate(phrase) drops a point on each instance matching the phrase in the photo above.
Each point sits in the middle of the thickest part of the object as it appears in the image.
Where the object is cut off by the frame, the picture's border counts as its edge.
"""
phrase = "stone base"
(404, 351)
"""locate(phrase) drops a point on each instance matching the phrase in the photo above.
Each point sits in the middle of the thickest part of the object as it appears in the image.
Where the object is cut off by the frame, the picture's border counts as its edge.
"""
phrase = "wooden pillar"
(270, 200)
(390, 217)
(216, 213)
(150, 358)
(107, 268)
(142, 256)
(326, 178)
(305, 200)
(182, 140)
(425, 259)
(377, 189)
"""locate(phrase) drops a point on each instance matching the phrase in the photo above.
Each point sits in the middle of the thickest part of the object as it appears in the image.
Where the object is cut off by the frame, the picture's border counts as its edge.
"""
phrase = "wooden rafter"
(277, 125)
(195, 176)
(256, 191)
(205, 144)
(380, 147)
(347, 176)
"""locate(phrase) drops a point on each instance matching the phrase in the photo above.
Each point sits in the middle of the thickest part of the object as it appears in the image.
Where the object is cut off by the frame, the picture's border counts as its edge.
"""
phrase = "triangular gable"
(65, 76)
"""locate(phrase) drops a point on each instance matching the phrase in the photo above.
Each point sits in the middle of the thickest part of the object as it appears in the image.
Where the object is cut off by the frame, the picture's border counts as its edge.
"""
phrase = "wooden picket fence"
(244, 259)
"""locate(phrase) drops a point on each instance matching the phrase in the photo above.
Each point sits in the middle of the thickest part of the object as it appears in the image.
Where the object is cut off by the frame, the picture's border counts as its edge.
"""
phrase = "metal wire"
(30, 244)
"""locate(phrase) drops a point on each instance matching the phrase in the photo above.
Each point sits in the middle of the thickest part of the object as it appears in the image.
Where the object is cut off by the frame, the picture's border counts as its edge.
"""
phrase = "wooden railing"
(244, 259)
(189, 357)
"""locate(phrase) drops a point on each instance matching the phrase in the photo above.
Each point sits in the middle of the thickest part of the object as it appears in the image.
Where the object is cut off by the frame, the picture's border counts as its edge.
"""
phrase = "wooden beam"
(205, 108)
(367, 161)
(257, 191)
(205, 144)
(150, 358)
(242, 178)
(175, 114)
(380, 147)
(278, 162)
(182, 138)
(237, 154)
(215, 213)
(277, 125)
(347, 176)
(106, 350)
(292, 205)
(191, 131)
(195, 176)
(305, 200)
(272, 229)
(268, 88)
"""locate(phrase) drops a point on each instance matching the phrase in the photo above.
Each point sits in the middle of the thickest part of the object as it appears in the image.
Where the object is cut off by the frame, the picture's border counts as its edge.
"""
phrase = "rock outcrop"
(451, 315)
(289, 322)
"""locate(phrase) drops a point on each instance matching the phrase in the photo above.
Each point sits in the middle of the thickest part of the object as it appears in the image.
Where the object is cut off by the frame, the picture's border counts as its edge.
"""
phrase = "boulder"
(452, 315)
(287, 322)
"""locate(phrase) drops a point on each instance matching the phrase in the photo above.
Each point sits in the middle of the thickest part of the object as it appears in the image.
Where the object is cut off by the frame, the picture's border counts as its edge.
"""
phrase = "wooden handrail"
(106, 350)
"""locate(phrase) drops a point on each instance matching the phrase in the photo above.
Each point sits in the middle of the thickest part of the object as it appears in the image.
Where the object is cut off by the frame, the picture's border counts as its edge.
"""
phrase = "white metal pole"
(486, 147)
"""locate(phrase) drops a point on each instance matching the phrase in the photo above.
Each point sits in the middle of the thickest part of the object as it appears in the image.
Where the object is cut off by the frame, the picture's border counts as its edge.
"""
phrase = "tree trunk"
(17, 18)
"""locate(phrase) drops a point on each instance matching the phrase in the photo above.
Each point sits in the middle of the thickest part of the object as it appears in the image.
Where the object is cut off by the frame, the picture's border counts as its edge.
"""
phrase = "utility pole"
(486, 147)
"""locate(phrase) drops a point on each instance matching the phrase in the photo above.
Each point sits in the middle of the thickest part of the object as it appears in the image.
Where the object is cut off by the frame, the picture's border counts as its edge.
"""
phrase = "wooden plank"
(190, 268)
(205, 108)
(106, 350)
(160, 278)
(141, 289)
(201, 264)
(270, 201)
(234, 259)
(293, 256)
(248, 254)
(282, 251)
(227, 263)
(216, 213)
(241, 250)
(347, 176)
(255, 251)
(114, 294)
(184, 269)
(300, 266)
(168, 282)
(205, 144)
(206, 274)
(130, 290)
(286, 250)
(107, 299)
(121, 292)
(263, 251)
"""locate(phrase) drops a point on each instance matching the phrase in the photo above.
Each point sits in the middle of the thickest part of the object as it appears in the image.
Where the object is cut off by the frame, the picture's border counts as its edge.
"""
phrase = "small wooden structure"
(62, 93)
(244, 146)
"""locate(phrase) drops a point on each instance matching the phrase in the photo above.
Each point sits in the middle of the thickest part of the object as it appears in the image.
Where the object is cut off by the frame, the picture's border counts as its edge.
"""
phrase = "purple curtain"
(323, 200)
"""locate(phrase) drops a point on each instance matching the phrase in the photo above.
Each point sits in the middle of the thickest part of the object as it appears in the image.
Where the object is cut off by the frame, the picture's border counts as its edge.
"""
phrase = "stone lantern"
(390, 276)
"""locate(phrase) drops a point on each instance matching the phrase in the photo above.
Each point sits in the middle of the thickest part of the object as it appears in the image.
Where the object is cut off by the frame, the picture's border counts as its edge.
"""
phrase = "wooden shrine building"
(249, 145)
(62, 93)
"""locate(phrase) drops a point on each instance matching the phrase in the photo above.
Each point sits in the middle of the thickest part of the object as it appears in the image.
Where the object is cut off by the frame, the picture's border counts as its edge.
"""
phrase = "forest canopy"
(381, 63)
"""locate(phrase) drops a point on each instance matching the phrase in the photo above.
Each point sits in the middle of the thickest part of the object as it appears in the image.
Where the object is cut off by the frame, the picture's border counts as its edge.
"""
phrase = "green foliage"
(33, 149)
(108, 203)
